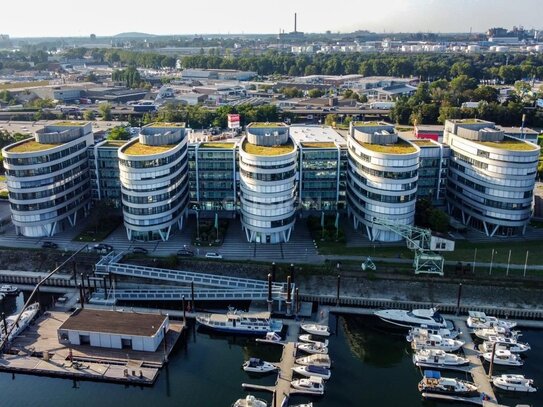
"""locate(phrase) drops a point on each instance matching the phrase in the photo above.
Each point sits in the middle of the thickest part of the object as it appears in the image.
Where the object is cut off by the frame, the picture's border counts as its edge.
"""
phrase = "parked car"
(140, 250)
(49, 245)
(185, 253)
(213, 255)
(102, 247)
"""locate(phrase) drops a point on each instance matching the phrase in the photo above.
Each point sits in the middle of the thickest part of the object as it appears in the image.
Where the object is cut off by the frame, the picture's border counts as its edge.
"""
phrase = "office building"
(382, 178)
(491, 177)
(433, 162)
(154, 181)
(48, 179)
(267, 172)
(105, 174)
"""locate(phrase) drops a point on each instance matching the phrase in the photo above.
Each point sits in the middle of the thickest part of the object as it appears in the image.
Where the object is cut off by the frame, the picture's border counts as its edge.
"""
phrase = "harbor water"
(372, 367)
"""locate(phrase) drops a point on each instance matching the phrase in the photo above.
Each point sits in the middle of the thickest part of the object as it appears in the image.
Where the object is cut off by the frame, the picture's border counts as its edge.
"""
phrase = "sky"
(39, 18)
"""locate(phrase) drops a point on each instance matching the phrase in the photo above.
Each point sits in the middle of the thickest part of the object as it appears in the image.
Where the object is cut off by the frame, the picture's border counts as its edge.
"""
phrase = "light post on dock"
(491, 262)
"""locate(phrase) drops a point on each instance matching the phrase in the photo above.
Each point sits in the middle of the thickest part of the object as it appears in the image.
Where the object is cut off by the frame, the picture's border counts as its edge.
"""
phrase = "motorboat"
(312, 348)
(478, 320)
(273, 337)
(504, 343)
(311, 385)
(485, 333)
(436, 342)
(514, 382)
(255, 365)
(304, 405)
(315, 360)
(438, 358)
(312, 370)
(25, 318)
(316, 329)
(250, 401)
(503, 357)
(432, 382)
(9, 290)
(240, 322)
(425, 331)
(414, 318)
(307, 338)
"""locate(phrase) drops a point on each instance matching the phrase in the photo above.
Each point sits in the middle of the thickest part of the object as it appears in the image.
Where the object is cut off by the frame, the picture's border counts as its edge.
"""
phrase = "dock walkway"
(477, 370)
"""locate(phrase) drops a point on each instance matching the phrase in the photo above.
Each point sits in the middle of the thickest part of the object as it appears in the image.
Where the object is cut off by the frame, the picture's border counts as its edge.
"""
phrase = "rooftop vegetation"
(114, 143)
(68, 123)
(267, 124)
(31, 146)
(316, 144)
(509, 143)
(423, 142)
(166, 124)
(370, 124)
(268, 150)
(17, 85)
(142, 149)
(217, 145)
(400, 147)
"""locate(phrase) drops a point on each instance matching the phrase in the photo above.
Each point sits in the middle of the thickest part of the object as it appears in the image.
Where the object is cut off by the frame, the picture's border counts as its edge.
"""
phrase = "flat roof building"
(114, 329)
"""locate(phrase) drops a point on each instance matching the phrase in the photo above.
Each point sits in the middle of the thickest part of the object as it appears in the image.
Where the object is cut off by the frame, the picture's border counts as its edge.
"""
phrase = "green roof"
(31, 146)
(68, 123)
(165, 124)
(423, 142)
(143, 149)
(509, 143)
(370, 124)
(217, 145)
(114, 143)
(267, 124)
(267, 150)
(317, 144)
(400, 147)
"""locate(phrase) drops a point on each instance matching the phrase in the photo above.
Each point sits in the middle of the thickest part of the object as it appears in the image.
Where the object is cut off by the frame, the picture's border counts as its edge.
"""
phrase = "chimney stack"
(295, 23)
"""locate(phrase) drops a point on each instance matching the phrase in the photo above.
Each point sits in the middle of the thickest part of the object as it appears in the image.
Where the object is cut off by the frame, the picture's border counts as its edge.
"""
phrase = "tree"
(438, 220)
(118, 133)
(315, 93)
(105, 111)
(522, 89)
(330, 120)
(89, 115)
(486, 93)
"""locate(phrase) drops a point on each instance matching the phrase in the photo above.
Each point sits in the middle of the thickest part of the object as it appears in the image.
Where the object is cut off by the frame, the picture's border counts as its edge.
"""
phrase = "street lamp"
(491, 262)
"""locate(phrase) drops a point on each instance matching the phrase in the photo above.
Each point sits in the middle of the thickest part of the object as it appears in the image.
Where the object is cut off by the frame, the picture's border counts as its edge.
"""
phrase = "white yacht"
(239, 322)
(477, 320)
(316, 329)
(437, 358)
(436, 342)
(485, 333)
(307, 339)
(514, 382)
(432, 382)
(409, 319)
(504, 343)
(304, 405)
(312, 385)
(425, 331)
(315, 360)
(250, 401)
(26, 317)
(9, 290)
(503, 357)
(255, 365)
(312, 370)
(312, 348)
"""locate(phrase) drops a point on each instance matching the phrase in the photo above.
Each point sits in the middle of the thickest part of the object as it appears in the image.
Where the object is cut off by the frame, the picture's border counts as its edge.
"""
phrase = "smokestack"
(295, 22)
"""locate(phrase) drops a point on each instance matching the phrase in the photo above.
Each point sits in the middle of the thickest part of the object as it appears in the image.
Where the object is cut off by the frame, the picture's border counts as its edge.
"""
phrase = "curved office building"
(267, 169)
(382, 179)
(48, 179)
(154, 182)
(491, 177)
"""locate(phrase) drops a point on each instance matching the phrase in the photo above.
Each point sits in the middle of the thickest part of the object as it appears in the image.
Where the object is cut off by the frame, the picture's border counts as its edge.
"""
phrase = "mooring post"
(4, 322)
(74, 270)
(82, 283)
(193, 305)
(184, 312)
(165, 346)
(81, 298)
(270, 300)
(297, 301)
(337, 292)
(292, 272)
(491, 369)
(458, 299)
(289, 299)
(273, 269)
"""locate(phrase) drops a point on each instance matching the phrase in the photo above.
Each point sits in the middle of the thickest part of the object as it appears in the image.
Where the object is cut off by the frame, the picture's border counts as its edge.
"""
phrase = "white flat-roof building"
(48, 178)
(491, 177)
(154, 181)
(114, 329)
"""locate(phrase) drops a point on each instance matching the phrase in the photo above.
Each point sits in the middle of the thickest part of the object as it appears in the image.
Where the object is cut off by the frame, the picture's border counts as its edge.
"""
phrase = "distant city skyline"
(35, 18)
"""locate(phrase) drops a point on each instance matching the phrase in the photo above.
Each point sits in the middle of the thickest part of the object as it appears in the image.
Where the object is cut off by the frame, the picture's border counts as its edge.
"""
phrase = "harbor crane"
(423, 243)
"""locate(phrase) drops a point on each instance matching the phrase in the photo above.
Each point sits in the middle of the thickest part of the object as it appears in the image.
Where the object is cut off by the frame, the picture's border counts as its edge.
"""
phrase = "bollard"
(184, 311)
(458, 299)
(289, 300)
(292, 272)
(273, 270)
(297, 301)
(270, 301)
(193, 306)
(337, 293)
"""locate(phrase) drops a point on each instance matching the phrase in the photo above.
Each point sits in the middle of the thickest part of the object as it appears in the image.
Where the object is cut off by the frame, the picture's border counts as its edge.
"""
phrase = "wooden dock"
(448, 397)
(38, 351)
(477, 370)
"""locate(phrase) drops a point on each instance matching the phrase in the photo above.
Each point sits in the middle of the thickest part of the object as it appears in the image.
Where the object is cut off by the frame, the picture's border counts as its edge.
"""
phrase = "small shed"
(114, 329)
